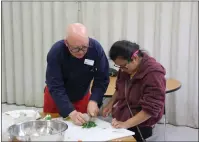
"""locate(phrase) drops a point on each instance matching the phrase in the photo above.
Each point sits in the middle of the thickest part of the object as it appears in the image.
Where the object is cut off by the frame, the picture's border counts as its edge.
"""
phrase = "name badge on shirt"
(89, 62)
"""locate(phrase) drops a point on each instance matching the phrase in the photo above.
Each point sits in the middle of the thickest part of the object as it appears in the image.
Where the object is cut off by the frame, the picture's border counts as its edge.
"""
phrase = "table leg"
(165, 122)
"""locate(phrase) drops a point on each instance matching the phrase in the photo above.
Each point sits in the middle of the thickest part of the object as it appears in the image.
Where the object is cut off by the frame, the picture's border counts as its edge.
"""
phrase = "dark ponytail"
(124, 49)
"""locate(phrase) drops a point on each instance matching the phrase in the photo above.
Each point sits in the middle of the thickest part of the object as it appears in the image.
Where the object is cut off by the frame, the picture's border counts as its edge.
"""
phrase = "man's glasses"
(77, 49)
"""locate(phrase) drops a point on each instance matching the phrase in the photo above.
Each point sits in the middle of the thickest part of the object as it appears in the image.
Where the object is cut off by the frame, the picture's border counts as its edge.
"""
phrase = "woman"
(138, 102)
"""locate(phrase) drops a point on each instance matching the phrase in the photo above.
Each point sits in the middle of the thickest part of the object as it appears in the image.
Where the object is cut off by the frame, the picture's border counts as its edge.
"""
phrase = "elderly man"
(72, 64)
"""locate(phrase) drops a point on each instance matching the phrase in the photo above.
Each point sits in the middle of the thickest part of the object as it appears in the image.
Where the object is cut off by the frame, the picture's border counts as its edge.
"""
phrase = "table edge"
(173, 90)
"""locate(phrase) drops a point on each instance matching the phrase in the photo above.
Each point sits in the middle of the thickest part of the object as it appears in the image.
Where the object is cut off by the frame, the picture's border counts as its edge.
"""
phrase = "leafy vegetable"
(48, 117)
(89, 124)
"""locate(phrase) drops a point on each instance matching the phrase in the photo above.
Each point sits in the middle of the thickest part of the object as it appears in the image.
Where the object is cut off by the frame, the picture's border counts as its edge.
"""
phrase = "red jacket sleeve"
(153, 98)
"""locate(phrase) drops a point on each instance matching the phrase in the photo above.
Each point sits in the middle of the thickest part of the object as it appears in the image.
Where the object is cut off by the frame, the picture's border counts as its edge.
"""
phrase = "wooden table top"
(171, 86)
(55, 115)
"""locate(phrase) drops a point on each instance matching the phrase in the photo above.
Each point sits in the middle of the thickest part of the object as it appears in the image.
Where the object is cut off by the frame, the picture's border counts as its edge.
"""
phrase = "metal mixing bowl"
(38, 130)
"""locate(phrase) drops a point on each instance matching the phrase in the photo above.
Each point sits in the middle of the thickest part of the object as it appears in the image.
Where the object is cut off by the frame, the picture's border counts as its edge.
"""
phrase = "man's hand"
(119, 124)
(77, 118)
(107, 109)
(92, 108)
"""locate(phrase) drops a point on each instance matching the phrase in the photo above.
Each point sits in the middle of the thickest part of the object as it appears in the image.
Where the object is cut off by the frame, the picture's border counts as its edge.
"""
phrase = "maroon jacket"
(146, 92)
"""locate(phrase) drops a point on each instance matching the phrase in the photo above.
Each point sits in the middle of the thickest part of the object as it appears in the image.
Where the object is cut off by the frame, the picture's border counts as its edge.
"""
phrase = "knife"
(91, 118)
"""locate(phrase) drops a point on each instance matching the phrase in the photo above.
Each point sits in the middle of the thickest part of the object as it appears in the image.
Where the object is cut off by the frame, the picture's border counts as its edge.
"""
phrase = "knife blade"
(91, 118)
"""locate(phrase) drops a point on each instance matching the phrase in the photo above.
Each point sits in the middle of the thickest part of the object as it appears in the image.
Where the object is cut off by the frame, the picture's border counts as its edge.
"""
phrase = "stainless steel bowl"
(38, 130)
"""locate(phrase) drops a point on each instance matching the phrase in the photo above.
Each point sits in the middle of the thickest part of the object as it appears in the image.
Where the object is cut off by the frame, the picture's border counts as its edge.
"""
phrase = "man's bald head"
(77, 37)
(76, 34)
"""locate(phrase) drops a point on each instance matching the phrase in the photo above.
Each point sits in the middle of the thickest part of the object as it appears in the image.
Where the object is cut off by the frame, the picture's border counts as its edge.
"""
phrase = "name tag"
(89, 62)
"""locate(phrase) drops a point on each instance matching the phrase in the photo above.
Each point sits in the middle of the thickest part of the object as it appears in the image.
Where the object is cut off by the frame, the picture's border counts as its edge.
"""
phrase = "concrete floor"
(173, 133)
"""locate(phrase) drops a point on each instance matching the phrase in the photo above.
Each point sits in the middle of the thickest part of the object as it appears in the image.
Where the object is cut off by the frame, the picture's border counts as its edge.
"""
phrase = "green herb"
(48, 117)
(89, 124)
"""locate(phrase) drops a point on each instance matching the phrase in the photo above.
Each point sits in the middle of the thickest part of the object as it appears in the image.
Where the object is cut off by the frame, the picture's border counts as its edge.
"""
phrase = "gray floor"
(173, 133)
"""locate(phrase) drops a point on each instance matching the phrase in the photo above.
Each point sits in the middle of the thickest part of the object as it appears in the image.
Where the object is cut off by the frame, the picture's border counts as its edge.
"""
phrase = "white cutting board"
(102, 132)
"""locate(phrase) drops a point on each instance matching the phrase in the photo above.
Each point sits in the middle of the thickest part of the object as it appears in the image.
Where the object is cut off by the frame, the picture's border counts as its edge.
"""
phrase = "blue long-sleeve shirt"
(68, 78)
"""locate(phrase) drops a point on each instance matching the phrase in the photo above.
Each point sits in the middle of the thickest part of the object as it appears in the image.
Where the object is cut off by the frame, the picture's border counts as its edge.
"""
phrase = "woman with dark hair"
(138, 102)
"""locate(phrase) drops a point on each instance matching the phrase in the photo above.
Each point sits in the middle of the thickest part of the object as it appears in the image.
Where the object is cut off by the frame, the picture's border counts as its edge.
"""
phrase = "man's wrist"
(93, 101)
(72, 113)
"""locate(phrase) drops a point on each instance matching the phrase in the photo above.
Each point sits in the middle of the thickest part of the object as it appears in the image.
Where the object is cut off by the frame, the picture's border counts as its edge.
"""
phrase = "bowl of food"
(38, 130)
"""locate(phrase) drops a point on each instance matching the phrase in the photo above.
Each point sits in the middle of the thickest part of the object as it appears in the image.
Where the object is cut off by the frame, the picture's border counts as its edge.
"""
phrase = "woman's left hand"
(119, 124)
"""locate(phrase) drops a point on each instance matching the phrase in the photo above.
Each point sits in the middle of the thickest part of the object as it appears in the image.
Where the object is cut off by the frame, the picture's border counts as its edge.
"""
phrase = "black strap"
(125, 91)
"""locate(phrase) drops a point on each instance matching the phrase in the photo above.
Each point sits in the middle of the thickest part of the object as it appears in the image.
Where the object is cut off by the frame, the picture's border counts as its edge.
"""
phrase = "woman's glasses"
(125, 66)
(120, 67)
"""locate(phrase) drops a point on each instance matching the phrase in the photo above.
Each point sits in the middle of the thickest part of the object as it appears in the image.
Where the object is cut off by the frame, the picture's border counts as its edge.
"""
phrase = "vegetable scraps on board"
(89, 124)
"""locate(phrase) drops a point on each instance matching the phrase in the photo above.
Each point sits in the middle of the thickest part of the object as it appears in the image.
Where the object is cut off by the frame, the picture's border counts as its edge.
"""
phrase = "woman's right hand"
(107, 109)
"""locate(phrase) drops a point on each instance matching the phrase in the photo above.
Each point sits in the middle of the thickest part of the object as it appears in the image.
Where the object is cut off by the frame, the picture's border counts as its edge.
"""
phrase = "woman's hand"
(107, 109)
(119, 124)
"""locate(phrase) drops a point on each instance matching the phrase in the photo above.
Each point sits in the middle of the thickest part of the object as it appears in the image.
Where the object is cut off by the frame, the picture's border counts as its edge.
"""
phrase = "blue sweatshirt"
(68, 78)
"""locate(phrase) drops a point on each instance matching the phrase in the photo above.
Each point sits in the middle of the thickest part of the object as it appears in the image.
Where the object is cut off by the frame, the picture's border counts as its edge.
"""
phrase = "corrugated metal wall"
(167, 30)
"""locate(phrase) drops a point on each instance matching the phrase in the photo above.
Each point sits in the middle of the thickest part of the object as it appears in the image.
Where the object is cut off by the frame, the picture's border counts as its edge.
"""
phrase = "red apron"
(50, 106)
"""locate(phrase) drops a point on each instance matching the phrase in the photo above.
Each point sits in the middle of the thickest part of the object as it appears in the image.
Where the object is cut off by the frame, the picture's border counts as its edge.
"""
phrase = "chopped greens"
(89, 124)
(48, 117)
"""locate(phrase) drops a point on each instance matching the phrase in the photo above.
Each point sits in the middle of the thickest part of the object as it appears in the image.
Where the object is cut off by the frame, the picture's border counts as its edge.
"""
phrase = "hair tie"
(135, 53)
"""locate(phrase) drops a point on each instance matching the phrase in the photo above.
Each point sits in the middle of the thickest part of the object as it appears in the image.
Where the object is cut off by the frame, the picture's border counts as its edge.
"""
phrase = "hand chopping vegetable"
(78, 118)
(92, 108)
(92, 113)
(90, 121)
